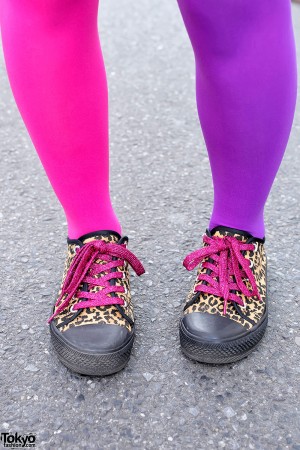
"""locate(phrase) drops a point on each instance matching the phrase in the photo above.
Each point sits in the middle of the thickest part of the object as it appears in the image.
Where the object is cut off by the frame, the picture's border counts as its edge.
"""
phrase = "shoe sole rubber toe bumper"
(93, 364)
(220, 352)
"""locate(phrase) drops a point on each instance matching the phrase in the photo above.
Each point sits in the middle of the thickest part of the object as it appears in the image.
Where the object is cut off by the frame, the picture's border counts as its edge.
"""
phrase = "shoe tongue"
(107, 236)
(226, 231)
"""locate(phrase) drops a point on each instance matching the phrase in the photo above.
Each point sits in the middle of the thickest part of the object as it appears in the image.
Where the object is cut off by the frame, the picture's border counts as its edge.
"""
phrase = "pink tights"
(57, 74)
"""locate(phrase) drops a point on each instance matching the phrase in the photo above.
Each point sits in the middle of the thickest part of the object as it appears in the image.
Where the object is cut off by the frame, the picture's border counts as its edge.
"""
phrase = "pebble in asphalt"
(161, 188)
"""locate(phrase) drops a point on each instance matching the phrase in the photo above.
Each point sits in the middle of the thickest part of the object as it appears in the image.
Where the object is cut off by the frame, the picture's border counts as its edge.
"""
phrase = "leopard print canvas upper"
(100, 314)
(254, 308)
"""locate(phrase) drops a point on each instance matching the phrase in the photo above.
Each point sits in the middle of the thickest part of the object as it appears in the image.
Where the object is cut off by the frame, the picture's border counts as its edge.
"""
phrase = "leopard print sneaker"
(92, 323)
(225, 314)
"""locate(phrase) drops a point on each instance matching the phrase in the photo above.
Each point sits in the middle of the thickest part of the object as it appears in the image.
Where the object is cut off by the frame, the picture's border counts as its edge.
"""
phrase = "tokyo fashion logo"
(16, 440)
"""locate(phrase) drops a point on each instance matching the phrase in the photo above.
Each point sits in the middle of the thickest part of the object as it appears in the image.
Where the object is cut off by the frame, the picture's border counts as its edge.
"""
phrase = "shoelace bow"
(228, 261)
(84, 268)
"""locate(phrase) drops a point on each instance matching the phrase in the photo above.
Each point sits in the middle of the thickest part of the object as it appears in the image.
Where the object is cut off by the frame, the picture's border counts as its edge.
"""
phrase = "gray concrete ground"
(161, 400)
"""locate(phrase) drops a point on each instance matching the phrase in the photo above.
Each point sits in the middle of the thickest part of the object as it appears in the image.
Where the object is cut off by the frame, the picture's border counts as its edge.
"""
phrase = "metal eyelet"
(125, 304)
(251, 264)
(255, 247)
(74, 311)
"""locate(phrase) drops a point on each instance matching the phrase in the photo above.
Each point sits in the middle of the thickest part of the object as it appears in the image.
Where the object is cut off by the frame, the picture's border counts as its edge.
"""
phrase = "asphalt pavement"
(162, 192)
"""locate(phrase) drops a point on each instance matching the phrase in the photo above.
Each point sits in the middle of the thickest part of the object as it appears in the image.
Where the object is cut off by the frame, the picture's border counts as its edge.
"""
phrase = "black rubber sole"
(221, 352)
(93, 364)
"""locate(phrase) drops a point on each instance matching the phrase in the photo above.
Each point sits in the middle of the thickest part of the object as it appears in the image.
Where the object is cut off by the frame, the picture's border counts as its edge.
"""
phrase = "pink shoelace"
(83, 269)
(228, 262)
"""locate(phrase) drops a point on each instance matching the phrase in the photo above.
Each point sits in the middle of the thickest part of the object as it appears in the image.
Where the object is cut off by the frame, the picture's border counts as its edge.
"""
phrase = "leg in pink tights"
(246, 93)
(57, 74)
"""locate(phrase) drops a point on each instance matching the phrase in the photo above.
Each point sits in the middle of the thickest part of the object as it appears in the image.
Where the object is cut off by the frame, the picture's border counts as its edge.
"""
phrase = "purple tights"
(246, 93)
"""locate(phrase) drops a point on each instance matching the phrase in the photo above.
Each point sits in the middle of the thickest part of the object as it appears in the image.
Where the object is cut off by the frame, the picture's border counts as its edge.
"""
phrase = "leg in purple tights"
(246, 93)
